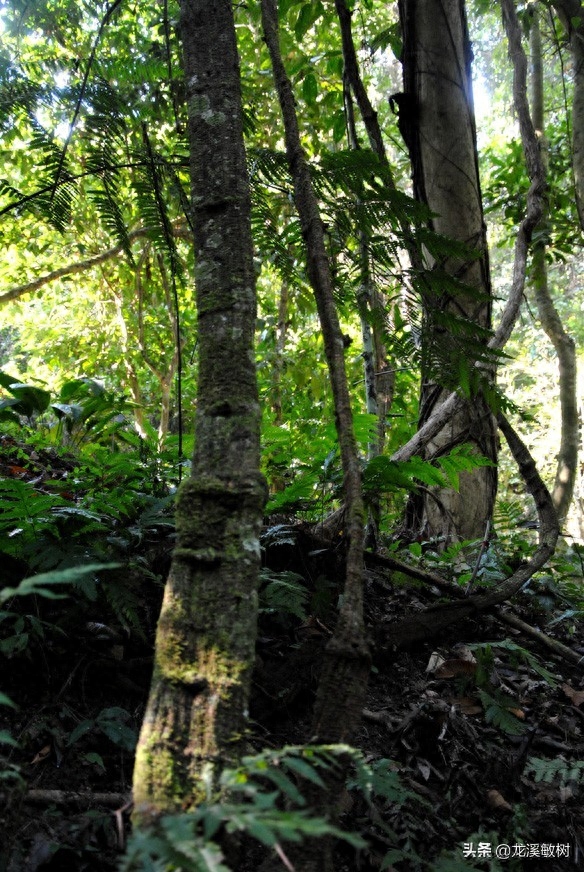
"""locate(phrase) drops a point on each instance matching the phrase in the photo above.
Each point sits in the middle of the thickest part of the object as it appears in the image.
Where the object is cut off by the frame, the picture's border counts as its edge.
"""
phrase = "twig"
(483, 548)
(284, 858)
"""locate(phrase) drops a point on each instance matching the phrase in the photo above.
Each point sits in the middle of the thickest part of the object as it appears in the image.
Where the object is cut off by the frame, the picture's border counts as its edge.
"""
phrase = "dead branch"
(553, 644)
(430, 578)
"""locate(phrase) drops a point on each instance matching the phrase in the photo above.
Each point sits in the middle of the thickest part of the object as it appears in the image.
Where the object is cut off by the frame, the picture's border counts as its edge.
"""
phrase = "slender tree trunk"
(379, 395)
(281, 334)
(195, 719)
(437, 120)
(551, 322)
(571, 14)
(133, 381)
(346, 661)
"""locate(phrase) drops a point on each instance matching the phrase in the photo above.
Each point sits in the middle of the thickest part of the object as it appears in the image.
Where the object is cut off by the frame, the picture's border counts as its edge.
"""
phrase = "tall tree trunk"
(131, 375)
(551, 322)
(437, 119)
(281, 335)
(379, 395)
(196, 714)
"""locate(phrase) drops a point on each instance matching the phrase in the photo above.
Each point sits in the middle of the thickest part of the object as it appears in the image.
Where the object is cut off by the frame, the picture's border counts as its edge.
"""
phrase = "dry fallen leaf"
(467, 705)
(576, 697)
(497, 801)
(454, 668)
(519, 713)
(42, 755)
(434, 662)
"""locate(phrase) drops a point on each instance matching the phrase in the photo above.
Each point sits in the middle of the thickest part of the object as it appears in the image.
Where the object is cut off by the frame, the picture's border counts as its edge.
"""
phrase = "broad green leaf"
(309, 13)
(37, 584)
(310, 89)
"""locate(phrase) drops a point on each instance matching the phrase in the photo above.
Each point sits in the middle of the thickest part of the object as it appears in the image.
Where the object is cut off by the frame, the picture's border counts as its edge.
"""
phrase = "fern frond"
(557, 769)
(124, 604)
(108, 205)
(149, 184)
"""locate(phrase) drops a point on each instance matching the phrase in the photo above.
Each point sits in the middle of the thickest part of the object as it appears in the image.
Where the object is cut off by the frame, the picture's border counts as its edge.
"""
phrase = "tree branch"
(83, 265)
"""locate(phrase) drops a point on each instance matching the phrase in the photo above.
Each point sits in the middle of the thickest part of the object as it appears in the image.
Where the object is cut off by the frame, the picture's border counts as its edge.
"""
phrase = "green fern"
(498, 712)
(384, 475)
(557, 769)
(41, 585)
(266, 801)
(283, 592)
(125, 604)
(149, 185)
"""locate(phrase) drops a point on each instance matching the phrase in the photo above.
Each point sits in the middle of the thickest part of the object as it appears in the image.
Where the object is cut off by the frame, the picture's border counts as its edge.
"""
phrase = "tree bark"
(196, 715)
(437, 118)
(564, 346)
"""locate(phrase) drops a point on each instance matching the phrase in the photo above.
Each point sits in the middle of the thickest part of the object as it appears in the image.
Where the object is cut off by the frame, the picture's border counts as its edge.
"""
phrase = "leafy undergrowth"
(471, 741)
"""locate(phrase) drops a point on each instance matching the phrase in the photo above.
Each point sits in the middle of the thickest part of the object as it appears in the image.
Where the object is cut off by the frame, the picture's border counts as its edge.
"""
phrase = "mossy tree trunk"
(437, 119)
(195, 719)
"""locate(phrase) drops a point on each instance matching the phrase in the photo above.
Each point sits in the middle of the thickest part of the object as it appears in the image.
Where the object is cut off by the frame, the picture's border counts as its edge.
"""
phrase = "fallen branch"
(430, 578)
(553, 644)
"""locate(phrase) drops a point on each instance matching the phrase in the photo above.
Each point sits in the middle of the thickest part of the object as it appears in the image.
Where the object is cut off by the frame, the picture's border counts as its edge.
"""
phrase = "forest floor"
(483, 724)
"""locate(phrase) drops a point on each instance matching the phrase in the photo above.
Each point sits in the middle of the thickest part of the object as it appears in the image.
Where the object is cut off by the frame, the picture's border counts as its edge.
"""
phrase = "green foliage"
(518, 655)
(9, 772)
(263, 799)
(112, 723)
(26, 400)
(557, 769)
(40, 585)
(89, 528)
(283, 593)
(87, 412)
(382, 474)
(498, 711)
(499, 707)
